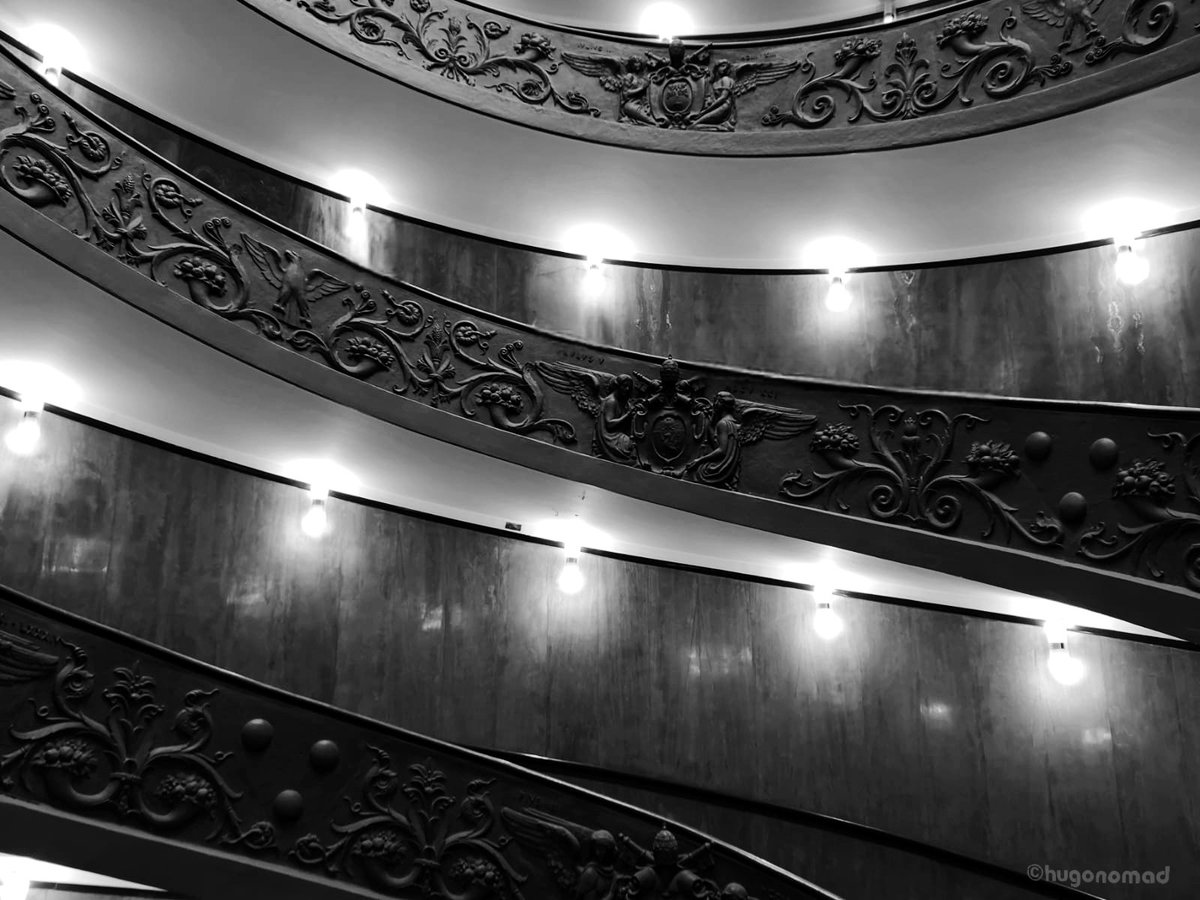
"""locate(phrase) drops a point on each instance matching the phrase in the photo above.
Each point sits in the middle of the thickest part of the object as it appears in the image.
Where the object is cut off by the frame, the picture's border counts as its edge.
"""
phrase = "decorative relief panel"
(765, 96)
(946, 465)
(85, 729)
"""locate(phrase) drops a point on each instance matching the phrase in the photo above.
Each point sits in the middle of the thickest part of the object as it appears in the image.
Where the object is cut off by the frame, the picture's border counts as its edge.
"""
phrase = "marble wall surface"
(939, 726)
(1053, 326)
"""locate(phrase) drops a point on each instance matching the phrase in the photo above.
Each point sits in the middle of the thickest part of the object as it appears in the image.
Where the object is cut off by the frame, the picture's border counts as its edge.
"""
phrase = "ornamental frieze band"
(118, 732)
(935, 76)
(1103, 486)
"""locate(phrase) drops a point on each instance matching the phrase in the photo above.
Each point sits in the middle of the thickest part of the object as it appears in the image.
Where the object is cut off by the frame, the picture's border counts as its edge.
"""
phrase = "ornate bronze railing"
(109, 728)
(1107, 488)
(937, 76)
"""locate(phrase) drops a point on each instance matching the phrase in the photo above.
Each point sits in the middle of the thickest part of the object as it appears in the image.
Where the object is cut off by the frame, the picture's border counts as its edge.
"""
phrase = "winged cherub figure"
(739, 423)
(625, 76)
(730, 81)
(287, 275)
(580, 859)
(1065, 14)
(606, 398)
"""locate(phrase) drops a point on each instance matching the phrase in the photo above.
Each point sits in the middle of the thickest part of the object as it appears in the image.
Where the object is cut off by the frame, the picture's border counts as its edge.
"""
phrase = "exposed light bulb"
(593, 280)
(889, 12)
(14, 878)
(570, 579)
(665, 21)
(1132, 269)
(22, 439)
(58, 48)
(1056, 632)
(838, 299)
(1065, 668)
(827, 624)
(359, 187)
(315, 522)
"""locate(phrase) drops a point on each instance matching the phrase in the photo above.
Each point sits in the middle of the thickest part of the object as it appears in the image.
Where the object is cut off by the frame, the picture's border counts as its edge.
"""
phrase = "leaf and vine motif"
(457, 48)
(121, 762)
(1148, 25)
(1001, 68)
(428, 356)
(431, 841)
(906, 475)
(1147, 487)
(815, 103)
(45, 173)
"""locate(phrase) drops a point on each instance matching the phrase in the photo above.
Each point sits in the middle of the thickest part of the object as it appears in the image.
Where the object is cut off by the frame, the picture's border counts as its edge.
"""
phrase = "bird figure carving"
(286, 273)
(1065, 14)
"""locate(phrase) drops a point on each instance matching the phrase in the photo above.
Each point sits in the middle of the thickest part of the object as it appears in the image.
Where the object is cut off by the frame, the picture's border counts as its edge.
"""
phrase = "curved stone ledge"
(1060, 499)
(990, 66)
(104, 726)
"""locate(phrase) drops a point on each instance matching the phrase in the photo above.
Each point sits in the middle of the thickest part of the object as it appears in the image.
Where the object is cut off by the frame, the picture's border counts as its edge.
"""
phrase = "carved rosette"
(804, 95)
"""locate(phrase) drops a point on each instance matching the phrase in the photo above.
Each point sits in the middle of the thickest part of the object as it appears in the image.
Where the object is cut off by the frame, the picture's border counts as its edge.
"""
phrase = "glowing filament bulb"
(570, 579)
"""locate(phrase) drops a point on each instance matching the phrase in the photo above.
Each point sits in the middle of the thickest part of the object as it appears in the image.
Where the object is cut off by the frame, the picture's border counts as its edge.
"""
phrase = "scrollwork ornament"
(906, 479)
(121, 761)
(457, 47)
(426, 839)
(1147, 487)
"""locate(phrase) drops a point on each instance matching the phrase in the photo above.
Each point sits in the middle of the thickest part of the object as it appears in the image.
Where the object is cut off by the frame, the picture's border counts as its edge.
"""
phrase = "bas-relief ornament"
(426, 840)
(426, 350)
(83, 755)
(993, 52)
(411, 821)
(594, 864)
(906, 481)
(667, 425)
(456, 47)
(685, 89)
(1147, 487)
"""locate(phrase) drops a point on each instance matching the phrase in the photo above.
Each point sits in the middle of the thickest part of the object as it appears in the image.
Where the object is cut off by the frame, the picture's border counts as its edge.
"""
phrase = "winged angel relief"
(667, 426)
(683, 90)
(593, 864)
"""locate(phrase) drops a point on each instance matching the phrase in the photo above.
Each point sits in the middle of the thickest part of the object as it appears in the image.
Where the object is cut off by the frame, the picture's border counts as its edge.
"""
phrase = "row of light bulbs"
(23, 439)
(1064, 668)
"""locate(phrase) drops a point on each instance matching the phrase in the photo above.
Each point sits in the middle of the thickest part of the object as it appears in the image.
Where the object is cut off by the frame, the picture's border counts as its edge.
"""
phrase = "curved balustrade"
(858, 854)
(988, 66)
(1111, 489)
(109, 728)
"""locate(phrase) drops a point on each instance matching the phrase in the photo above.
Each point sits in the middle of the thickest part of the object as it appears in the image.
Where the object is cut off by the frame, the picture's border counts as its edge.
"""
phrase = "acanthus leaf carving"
(1147, 487)
(457, 47)
(906, 478)
(1001, 69)
(430, 840)
(120, 761)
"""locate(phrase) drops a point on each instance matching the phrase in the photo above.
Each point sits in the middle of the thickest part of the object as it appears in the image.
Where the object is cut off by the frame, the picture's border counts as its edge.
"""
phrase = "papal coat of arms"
(667, 425)
(683, 90)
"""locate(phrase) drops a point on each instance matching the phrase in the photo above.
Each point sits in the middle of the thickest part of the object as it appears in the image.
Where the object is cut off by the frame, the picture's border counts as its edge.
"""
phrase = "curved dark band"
(938, 77)
(143, 746)
(1085, 503)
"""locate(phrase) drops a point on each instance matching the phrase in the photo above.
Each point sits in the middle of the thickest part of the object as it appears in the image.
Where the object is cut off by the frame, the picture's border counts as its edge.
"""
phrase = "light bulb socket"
(824, 604)
(572, 560)
(1058, 646)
